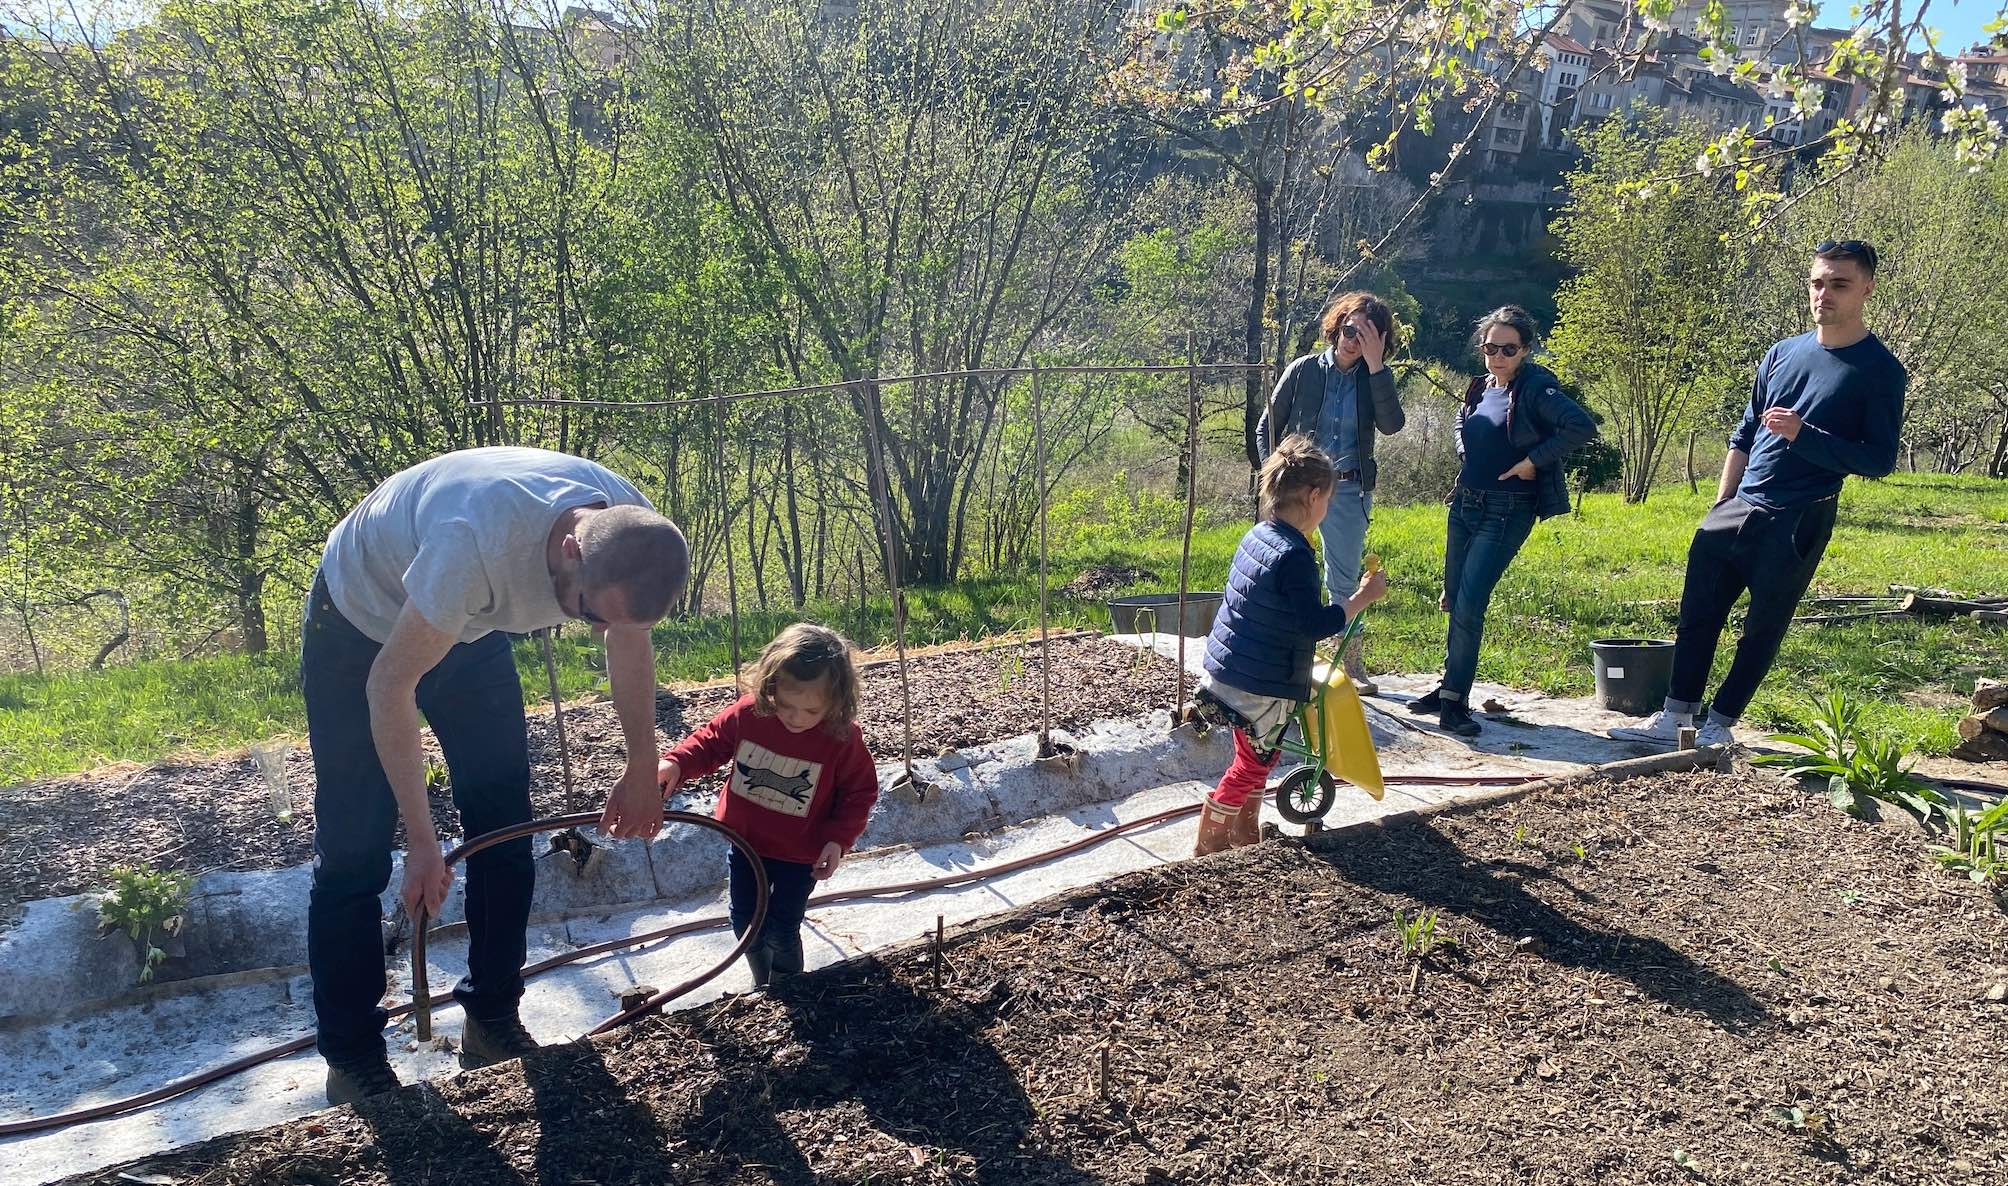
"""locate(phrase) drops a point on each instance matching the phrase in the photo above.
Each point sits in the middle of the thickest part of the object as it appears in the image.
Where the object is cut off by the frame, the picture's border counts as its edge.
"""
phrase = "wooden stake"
(939, 929)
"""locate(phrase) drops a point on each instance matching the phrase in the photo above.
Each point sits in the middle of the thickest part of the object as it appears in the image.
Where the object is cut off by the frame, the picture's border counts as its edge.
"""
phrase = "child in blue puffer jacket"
(1258, 658)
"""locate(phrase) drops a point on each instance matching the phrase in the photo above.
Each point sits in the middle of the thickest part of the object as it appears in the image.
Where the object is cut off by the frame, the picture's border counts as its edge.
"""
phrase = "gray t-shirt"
(463, 538)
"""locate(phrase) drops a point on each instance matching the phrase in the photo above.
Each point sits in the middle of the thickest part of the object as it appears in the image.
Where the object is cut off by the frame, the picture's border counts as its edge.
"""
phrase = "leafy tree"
(1644, 324)
(1941, 226)
(921, 184)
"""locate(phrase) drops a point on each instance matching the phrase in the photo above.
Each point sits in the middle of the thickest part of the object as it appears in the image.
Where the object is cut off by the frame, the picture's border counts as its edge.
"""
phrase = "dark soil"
(58, 836)
(1694, 978)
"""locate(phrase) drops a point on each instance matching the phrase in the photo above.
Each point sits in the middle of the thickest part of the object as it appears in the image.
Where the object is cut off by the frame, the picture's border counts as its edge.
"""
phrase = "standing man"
(1826, 404)
(418, 590)
(1340, 397)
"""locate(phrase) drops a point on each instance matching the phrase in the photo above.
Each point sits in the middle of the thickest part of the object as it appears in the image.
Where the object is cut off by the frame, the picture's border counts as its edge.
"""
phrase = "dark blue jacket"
(1273, 615)
(1542, 421)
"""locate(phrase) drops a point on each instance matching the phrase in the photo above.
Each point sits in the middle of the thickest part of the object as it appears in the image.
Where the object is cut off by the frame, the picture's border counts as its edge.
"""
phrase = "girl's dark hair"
(1512, 317)
(806, 653)
(1296, 468)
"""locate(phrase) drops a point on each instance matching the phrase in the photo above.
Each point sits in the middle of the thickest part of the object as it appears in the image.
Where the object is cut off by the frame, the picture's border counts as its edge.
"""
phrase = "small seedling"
(147, 904)
(1418, 935)
(435, 776)
(1010, 670)
(1851, 897)
(1582, 852)
(1976, 849)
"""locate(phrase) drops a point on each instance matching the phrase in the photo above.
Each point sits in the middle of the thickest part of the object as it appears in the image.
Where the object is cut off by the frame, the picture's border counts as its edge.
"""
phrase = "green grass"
(1613, 571)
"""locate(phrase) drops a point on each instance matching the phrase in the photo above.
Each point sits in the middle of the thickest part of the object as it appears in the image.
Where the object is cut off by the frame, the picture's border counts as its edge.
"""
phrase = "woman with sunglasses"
(1340, 398)
(1514, 429)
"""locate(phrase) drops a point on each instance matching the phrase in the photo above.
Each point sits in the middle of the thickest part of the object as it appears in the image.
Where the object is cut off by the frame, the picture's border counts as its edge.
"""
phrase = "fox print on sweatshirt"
(788, 793)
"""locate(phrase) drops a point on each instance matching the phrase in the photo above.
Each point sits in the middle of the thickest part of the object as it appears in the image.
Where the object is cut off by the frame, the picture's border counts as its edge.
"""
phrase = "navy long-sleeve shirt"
(1851, 400)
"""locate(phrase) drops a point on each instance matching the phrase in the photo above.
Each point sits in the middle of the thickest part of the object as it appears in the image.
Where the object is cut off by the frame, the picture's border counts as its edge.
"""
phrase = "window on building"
(1509, 137)
(1601, 101)
(1753, 34)
(1512, 113)
(1567, 78)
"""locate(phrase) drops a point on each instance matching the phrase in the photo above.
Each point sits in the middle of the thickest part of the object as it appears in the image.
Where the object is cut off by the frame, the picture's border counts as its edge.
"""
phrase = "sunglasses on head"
(1856, 248)
(1506, 348)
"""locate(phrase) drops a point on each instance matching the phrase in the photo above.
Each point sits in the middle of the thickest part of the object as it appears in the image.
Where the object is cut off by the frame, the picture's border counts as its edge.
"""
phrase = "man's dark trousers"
(474, 702)
(1739, 545)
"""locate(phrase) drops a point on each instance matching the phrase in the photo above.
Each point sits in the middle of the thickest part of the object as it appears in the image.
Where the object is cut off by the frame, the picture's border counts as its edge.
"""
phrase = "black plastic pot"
(1632, 673)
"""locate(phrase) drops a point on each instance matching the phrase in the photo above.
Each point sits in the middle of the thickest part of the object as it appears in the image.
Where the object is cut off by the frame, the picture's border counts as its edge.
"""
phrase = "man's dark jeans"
(1487, 528)
(789, 884)
(474, 702)
(1740, 545)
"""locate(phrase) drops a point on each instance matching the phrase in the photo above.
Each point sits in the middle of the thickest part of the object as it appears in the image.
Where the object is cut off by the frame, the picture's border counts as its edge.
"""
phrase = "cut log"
(1993, 617)
(1989, 693)
(1994, 720)
(1945, 607)
(1988, 747)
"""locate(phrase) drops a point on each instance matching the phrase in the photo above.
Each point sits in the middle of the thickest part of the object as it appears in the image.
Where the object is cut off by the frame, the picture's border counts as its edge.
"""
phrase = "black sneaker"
(497, 1039)
(1455, 718)
(1431, 702)
(360, 1079)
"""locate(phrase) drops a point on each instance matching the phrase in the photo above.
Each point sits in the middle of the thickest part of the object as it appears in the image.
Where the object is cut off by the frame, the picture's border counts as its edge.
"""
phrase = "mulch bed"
(1693, 978)
(58, 836)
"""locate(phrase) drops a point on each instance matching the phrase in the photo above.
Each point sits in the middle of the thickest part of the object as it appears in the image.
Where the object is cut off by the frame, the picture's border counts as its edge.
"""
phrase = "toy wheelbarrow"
(1331, 740)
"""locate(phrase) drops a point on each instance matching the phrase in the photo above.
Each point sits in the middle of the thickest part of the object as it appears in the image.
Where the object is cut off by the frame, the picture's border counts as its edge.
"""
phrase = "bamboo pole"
(1191, 504)
(1045, 641)
(725, 527)
(880, 481)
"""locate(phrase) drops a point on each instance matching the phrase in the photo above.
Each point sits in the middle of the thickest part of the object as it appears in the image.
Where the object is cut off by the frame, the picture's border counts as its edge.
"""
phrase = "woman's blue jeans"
(1487, 528)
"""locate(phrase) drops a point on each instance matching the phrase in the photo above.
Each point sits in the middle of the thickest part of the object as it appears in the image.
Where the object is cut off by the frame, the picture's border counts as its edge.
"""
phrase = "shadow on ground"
(1416, 860)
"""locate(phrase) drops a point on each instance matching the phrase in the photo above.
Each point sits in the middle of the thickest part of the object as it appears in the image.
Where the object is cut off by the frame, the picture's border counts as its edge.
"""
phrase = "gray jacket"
(1299, 400)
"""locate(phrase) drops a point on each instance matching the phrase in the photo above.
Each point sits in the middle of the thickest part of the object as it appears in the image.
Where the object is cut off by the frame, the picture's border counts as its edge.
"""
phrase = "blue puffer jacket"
(1273, 615)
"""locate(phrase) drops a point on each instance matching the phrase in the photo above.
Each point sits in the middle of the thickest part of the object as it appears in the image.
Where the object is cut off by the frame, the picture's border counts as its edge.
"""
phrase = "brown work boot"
(1247, 827)
(1216, 827)
(1356, 669)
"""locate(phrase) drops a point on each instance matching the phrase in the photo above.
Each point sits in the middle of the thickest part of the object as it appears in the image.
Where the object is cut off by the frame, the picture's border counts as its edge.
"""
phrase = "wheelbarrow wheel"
(1305, 795)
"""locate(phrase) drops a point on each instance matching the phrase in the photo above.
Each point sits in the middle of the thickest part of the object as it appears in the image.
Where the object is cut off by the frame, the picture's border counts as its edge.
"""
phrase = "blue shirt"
(1488, 449)
(1339, 418)
(1852, 403)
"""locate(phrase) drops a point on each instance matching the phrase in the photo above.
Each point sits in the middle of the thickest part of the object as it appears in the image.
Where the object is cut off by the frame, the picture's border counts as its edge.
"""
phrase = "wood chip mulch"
(1680, 979)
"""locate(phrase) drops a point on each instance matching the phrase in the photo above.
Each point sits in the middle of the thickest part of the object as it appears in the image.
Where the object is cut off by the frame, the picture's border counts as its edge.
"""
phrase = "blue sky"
(1958, 20)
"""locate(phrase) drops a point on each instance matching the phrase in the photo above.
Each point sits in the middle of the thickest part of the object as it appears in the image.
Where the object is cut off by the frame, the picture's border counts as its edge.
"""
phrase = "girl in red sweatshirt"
(802, 782)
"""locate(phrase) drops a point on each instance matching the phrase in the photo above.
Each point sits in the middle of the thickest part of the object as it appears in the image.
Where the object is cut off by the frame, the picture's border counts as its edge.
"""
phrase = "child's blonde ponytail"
(1297, 468)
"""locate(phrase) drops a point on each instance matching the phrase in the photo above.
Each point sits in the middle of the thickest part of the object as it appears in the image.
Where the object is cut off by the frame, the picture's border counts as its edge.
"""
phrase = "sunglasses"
(1506, 348)
(1856, 248)
(586, 612)
(1350, 333)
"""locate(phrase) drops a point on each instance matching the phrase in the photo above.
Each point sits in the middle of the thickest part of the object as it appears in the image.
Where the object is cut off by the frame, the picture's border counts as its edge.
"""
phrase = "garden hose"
(203, 1078)
(421, 996)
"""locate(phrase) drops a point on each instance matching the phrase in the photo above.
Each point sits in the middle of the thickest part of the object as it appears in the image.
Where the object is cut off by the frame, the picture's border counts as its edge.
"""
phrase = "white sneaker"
(1713, 733)
(1661, 728)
